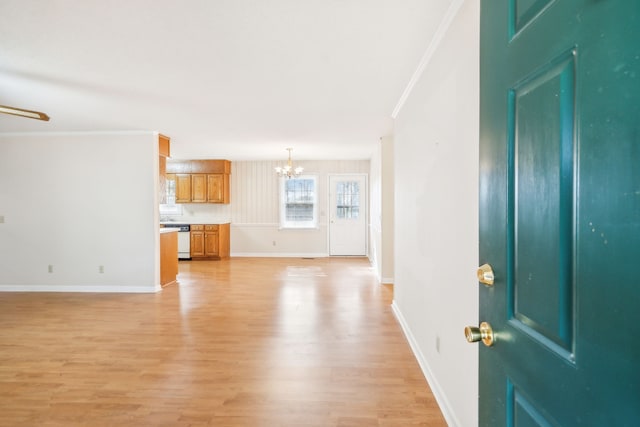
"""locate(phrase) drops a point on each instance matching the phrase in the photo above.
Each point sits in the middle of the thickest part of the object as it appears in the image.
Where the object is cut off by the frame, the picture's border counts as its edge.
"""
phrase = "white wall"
(381, 214)
(375, 212)
(388, 210)
(254, 209)
(76, 202)
(436, 211)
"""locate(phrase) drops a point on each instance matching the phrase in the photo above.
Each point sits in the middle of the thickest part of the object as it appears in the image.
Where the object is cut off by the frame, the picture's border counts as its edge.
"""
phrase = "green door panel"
(560, 212)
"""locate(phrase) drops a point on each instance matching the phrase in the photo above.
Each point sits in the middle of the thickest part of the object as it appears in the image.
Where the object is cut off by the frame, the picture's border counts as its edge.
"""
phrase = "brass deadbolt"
(485, 274)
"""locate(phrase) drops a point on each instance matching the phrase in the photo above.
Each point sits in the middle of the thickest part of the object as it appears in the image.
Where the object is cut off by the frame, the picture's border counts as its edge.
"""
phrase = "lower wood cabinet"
(210, 241)
(197, 241)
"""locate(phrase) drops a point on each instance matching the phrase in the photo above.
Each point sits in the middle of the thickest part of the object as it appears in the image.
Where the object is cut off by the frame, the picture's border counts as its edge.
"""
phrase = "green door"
(560, 212)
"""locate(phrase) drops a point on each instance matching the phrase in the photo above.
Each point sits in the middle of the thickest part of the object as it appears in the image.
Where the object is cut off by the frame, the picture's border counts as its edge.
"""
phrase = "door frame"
(365, 210)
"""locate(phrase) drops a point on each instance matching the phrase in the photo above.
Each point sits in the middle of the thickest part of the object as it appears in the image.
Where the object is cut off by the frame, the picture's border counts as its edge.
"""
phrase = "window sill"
(302, 227)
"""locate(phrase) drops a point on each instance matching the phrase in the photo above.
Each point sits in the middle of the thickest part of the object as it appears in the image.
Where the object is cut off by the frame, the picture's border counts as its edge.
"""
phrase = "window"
(299, 202)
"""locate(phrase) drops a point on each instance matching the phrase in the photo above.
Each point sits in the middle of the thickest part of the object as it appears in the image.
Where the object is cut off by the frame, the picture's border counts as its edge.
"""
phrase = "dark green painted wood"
(560, 212)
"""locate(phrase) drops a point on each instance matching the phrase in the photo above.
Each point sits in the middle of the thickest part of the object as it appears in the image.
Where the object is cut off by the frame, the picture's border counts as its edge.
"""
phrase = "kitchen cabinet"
(208, 180)
(210, 241)
(179, 187)
(197, 241)
(164, 145)
(198, 188)
(183, 187)
(218, 188)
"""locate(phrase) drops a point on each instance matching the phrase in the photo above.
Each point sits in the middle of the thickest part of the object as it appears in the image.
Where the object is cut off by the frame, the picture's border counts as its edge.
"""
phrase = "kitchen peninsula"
(168, 256)
(201, 240)
(168, 236)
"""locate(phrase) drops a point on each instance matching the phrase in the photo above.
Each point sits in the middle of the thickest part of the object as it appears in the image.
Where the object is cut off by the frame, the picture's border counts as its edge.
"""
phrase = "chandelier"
(288, 171)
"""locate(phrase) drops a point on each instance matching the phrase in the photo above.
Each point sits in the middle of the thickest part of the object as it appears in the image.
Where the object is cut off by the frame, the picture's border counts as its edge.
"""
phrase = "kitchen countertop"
(165, 230)
(197, 221)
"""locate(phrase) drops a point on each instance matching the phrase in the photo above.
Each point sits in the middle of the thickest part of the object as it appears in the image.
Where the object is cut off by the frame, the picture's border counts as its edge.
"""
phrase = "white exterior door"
(348, 214)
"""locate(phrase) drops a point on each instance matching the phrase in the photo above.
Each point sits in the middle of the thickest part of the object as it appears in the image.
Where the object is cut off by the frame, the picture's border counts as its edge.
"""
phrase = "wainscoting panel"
(255, 208)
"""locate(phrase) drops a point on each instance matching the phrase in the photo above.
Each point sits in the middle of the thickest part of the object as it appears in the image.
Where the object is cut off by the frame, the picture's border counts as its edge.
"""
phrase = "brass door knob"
(485, 274)
(484, 333)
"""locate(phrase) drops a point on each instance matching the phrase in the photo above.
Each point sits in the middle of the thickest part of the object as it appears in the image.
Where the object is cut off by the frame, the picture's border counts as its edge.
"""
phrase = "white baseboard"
(441, 398)
(277, 255)
(78, 288)
(387, 281)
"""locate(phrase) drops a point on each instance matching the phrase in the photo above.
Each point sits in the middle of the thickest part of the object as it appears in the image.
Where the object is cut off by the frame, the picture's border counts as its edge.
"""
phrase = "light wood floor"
(241, 342)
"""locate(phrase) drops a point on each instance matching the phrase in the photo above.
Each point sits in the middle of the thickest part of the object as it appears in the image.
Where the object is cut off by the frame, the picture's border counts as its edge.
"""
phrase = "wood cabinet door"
(212, 248)
(197, 244)
(198, 188)
(215, 188)
(226, 188)
(183, 188)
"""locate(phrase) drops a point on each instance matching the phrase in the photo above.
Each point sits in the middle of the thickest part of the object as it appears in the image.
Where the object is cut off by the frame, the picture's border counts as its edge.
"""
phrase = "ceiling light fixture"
(289, 171)
(24, 113)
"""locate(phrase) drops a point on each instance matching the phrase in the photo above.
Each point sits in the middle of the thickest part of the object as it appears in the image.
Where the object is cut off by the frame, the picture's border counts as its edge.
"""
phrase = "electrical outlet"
(437, 343)
(101, 269)
(50, 268)
(1, 219)
(274, 243)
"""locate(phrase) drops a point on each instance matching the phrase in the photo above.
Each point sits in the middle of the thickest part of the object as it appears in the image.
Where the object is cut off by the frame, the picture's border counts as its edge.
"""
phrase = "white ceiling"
(236, 79)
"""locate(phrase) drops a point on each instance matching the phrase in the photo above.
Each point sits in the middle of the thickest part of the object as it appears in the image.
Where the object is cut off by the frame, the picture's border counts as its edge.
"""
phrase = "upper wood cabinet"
(198, 188)
(183, 188)
(164, 145)
(218, 188)
(209, 180)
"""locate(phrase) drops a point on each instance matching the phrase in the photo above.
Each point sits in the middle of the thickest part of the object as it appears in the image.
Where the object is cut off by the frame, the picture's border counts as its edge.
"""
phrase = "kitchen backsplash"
(193, 213)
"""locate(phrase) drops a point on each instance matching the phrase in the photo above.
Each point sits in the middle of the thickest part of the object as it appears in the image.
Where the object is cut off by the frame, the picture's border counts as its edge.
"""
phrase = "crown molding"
(80, 133)
(431, 49)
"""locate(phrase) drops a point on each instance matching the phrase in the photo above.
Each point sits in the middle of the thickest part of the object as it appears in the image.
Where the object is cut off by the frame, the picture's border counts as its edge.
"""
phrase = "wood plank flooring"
(241, 342)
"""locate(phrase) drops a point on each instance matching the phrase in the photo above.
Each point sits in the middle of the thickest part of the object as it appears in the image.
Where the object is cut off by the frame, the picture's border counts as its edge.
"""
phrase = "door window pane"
(348, 200)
